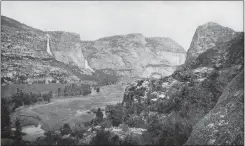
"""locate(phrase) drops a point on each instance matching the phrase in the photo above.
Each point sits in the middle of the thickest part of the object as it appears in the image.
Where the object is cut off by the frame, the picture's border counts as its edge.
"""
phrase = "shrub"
(48, 96)
(22, 78)
(129, 140)
(124, 127)
(66, 129)
(136, 121)
(114, 114)
(105, 123)
(102, 138)
(79, 130)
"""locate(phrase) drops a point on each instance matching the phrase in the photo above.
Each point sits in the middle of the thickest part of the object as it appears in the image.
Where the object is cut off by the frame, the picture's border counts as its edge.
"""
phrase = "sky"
(96, 19)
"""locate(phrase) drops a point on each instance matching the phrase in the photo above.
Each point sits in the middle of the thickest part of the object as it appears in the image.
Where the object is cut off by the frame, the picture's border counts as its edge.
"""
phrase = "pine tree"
(5, 122)
(17, 133)
(59, 91)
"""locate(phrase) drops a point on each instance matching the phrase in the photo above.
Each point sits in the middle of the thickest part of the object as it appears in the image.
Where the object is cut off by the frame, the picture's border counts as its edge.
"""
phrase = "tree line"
(74, 89)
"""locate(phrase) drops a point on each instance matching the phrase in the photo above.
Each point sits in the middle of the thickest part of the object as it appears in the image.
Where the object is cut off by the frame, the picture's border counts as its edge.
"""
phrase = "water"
(32, 132)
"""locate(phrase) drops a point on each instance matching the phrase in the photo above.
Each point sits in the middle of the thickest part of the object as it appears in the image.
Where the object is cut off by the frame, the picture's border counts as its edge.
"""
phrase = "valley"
(150, 90)
(73, 110)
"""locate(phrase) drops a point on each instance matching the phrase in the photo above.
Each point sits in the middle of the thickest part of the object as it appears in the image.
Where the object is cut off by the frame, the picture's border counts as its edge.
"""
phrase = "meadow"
(72, 110)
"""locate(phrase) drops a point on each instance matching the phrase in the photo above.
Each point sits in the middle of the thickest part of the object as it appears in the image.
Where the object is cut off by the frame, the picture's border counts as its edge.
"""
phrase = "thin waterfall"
(48, 46)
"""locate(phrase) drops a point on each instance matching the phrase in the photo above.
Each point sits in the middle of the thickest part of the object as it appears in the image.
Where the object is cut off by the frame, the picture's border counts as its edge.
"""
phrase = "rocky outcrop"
(207, 92)
(66, 48)
(224, 124)
(133, 52)
(207, 36)
(24, 53)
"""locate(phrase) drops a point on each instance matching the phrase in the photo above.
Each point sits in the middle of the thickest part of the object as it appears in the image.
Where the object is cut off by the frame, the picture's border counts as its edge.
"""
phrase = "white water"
(32, 132)
(48, 47)
(87, 66)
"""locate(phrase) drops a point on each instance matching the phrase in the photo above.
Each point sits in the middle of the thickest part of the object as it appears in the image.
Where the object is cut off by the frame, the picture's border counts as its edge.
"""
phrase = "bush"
(124, 127)
(79, 130)
(105, 77)
(114, 114)
(66, 129)
(48, 96)
(102, 138)
(130, 140)
(105, 123)
(136, 121)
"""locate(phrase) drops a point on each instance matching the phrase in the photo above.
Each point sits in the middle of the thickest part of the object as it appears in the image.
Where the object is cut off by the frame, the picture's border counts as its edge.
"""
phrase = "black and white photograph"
(122, 73)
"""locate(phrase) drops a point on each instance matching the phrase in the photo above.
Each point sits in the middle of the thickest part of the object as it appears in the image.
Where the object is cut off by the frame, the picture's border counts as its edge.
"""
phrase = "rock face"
(66, 48)
(64, 55)
(134, 54)
(24, 52)
(206, 92)
(208, 36)
(224, 124)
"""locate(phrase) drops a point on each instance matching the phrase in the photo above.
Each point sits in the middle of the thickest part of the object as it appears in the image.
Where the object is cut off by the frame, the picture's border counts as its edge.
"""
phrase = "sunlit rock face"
(24, 51)
(208, 36)
(66, 48)
(135, 54)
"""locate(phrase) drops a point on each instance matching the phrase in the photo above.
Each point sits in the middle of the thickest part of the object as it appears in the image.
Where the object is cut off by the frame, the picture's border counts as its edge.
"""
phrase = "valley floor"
(72, 110)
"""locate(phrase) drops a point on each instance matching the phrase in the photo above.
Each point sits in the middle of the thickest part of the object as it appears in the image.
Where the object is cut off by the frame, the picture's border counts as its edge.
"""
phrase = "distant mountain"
(131, 55)
(134, 54)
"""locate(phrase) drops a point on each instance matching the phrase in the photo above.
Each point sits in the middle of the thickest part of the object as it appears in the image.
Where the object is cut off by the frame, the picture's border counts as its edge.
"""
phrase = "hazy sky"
(94, 19)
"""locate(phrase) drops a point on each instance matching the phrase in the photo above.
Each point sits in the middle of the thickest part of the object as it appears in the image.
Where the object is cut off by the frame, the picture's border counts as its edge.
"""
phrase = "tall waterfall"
(48, 46)
(87, 66)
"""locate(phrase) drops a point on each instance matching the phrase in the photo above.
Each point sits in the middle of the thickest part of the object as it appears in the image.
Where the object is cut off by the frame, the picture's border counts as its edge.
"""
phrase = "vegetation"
(5, 119)
(105, 77)
(22, 98)
(18, 133)
(74, 89)
(115, 114)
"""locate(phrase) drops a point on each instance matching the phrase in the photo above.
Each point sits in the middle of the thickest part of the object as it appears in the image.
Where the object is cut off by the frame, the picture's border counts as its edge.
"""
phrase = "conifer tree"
(17, 133)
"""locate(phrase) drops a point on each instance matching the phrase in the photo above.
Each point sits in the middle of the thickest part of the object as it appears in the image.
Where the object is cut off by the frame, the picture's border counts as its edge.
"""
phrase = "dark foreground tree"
(5, 119)
(99, 115)
(66, 129)
(98, 89)
(17, 133)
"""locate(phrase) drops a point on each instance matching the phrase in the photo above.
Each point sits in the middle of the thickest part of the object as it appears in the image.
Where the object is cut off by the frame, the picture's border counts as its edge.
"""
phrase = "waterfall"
(48, 46)
(87, 66)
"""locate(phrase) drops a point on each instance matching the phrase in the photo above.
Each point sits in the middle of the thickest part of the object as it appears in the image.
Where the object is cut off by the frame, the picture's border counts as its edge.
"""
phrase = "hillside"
(201, 103)
(134, 55)
(197, 101)
(26, 58)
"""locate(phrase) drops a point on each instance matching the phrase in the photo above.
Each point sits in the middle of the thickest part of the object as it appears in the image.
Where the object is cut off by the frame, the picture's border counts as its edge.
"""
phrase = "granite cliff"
(38, 54)
(208, 36)
(24, 53)
(202, 102)
(135, 55)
